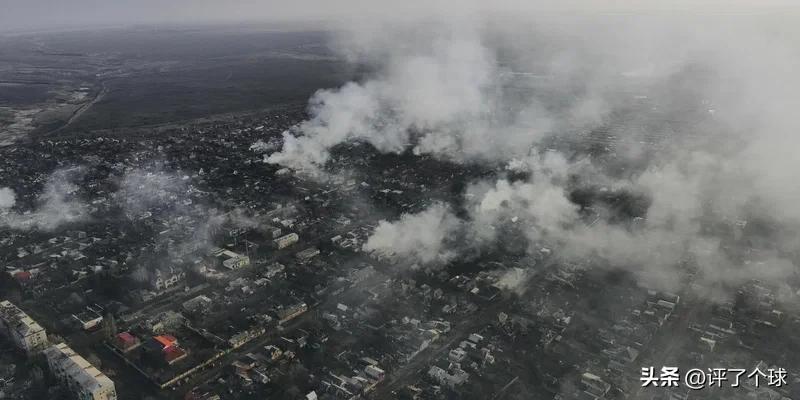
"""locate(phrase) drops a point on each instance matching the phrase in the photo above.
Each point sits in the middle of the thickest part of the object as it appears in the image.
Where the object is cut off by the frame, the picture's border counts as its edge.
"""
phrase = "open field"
(121, 78)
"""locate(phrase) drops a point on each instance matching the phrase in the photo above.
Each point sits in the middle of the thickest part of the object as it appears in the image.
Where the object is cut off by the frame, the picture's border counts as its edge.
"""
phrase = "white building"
(457, 355)
(164, 278)
(234, 261)
(88, 319)
(291, 312)
(375, 372)
(286, 240)
(78, 375)
(23, 331)
(457, 377)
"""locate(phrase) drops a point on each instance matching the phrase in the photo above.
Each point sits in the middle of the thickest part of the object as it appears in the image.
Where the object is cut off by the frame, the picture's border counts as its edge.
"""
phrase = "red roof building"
(126, 342)
(173, 354)
(166, 341)
(22, 276)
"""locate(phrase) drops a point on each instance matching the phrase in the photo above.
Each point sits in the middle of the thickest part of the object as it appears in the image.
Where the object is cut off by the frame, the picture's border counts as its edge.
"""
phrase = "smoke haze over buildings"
(422, 199)
(720, 95)
(699, 97)
(57, 204)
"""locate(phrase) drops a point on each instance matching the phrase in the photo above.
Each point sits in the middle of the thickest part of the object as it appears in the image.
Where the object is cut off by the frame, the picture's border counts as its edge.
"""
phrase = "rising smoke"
(170, 195)
(419, 238)
(151, 194)
(56, 205)
(191, 226)
(697, 111)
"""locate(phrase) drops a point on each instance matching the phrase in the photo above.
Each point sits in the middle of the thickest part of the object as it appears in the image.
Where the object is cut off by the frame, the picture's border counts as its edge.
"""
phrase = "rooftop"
(18, 319)
(77, 368)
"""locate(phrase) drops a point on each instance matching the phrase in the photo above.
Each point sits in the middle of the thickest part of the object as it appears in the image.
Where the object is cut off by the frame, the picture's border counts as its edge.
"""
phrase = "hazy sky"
(53, 14)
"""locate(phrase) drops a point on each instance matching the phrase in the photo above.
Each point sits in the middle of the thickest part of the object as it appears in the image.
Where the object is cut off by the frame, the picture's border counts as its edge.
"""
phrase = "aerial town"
(306, 250)
(220, 283)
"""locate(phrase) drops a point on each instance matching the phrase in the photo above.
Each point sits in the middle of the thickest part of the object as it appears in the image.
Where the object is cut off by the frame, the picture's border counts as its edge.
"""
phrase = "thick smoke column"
(441, 95)
(418, 237)
(704, 130)
(444, 91)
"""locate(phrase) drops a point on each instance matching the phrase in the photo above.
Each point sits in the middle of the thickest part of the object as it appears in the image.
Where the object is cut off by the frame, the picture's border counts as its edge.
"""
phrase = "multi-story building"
(291, 312)
(23, 331)
(234, 261)
(89, 319)
(82, 379)
(456, 376)
(286, 240)
(307, 254)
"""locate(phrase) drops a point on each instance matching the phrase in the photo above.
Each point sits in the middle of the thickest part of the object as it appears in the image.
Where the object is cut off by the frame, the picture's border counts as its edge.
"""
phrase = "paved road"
(77, 114)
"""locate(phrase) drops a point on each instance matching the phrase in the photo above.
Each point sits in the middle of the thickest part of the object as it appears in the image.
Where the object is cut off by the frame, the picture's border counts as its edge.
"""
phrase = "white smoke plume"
(261, 146)
(143, 190)
(440, 97)
(702, 128)
(56, 205)
(656, 251)
(417, 237)
(7, 198)
(192, 226)
(472, 89)
(514, 280)
(168, 194)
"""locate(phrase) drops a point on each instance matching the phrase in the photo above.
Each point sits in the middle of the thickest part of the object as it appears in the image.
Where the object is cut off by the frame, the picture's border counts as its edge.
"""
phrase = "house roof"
(173, 353)
(166, 340)
(22, 275)
(126, 337)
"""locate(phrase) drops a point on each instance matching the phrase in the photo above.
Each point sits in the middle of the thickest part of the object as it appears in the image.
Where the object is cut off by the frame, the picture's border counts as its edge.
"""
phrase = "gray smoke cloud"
(191, 225)
(656, 250)
(703, 129)
(440, 95)
(56, 205)
(155, 190)
(420, 237)
(172, 195)
(471, 90)
(7, 198)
